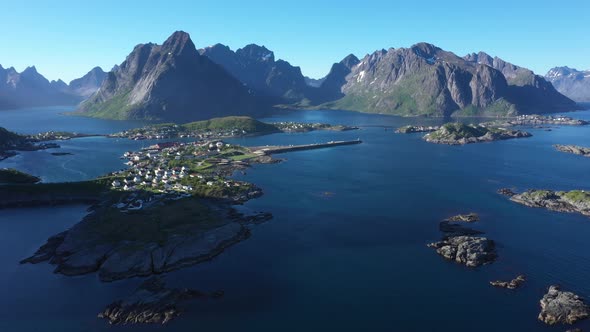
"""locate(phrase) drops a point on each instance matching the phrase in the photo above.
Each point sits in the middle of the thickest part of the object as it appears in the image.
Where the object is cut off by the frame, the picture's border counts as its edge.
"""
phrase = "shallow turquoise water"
(346, 248)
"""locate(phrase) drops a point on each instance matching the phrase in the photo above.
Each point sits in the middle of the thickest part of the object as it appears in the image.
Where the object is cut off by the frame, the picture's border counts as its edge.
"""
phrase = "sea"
(346, 249)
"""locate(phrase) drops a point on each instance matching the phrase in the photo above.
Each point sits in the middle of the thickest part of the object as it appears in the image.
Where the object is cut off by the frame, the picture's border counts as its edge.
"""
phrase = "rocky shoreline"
(416, 129)
(82, 249)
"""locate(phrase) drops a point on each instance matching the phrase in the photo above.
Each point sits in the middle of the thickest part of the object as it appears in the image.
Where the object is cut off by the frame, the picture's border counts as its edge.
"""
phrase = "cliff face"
(532, 93)
(172, 82)
(574, 84)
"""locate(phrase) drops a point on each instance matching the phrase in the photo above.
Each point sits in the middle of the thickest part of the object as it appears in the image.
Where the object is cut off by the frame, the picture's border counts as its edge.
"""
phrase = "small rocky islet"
(460, 244)
(460, 134)
(574, 149)
(151, 303)
(512, 284)
(561, 307)
(573, 201)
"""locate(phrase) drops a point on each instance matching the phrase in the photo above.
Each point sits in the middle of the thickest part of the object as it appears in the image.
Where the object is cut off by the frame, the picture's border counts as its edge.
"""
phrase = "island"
(13, 176)
(410, 129)
(563, 307)
(461, 245)
(151, 303)
(460, 133)
(512, 284)
(226, 127)
(577, 201)
(57, 136)
(172, 208)
(11, 142)
(537, 120)
(579, 150)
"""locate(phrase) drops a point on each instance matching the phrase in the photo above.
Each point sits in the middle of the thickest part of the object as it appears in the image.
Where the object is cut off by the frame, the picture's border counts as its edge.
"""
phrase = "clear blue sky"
(65, 39)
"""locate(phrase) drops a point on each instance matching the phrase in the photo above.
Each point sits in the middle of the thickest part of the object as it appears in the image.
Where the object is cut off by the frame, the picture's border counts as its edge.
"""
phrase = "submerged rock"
(512, 284)
(562, 307)
(468, 250)
(151, 303)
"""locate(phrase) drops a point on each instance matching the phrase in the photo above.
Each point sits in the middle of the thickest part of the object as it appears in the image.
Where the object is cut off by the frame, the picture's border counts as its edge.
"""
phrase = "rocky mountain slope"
(256, 67)
(529, 91)
(426, 80)
(573, 83)
(88, 84)
(172, 82)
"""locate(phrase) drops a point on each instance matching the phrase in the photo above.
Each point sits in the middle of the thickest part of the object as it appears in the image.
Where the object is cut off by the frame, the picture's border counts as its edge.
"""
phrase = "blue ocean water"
(346, 249)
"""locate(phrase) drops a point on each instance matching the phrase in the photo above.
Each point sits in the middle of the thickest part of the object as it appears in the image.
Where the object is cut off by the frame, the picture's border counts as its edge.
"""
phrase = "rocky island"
(416, 129)
(579, 150)
(558, 306)
(151, 303)
(460, 244)
(561, 201)
(537, 120)
(467, 250)
(11, 142)
(216, 128)
(459, 134)
(512, 284)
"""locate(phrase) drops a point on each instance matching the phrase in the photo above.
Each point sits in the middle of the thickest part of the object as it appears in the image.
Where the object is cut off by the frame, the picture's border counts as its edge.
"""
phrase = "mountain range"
(31, 89)
(176, 82)
(426, 80)
(572, 83)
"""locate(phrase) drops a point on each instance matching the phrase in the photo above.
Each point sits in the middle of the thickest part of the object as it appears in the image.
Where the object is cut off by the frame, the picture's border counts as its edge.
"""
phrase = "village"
(176, 170)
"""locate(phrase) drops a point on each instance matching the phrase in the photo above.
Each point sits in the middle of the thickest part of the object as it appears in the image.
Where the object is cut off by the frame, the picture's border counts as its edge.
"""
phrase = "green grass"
(116, 108)
(153, 225)
(577, 196)
(245, 123)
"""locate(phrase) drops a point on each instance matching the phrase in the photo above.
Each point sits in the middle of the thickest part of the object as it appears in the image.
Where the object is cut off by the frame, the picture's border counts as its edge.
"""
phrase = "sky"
(65, 39)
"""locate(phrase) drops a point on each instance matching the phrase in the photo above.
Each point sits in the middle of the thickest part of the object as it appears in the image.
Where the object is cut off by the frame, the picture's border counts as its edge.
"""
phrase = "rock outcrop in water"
(470, 217)
(467, 250)
(151, 303)
(512, 284)
(579, 150)
(562, 307)
(459, 134)
(561, 201)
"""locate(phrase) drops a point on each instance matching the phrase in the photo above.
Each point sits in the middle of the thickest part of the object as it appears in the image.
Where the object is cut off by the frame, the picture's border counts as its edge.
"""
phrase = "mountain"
(531, 92)
(331, 87)
(88, 84)
(573, 83)
(172, 82)
(31, 89)
(426, 80)
(256, 67)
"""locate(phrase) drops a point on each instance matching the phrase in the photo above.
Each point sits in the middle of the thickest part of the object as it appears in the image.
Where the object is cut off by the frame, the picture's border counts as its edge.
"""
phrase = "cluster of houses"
(176, 131)
(149, 168)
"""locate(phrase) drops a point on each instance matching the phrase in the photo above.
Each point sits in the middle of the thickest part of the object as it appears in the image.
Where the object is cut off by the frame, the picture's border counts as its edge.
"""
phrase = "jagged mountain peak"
(256, 52)
(179, 43)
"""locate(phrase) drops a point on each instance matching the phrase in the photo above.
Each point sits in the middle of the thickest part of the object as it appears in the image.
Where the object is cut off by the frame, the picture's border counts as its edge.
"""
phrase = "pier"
(268, 150)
